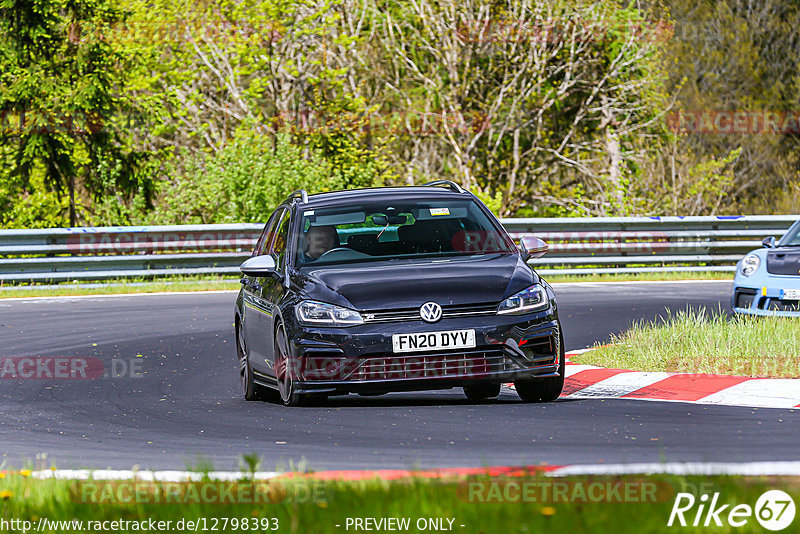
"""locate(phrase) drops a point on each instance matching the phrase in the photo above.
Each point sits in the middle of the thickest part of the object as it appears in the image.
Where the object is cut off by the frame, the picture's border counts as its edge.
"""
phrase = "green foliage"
(175, 111)
(712, 180)
(493, 202)
(736, 55)
(40, 209)
(60, 77)
(245, 180)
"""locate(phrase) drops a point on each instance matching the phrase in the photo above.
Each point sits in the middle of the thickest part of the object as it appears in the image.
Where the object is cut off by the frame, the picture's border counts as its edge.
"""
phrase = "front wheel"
(285, 370)
(543, 389)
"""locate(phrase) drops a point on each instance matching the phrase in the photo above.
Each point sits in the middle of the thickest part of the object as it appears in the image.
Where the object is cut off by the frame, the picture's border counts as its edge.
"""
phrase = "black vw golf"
(394, 289)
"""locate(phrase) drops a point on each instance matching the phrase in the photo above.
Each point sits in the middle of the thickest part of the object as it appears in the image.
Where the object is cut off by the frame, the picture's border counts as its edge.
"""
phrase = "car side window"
(262, 246)
(278, 249)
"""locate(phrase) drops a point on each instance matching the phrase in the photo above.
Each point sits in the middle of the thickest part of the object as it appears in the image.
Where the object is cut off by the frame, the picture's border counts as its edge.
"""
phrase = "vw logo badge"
(430, 312)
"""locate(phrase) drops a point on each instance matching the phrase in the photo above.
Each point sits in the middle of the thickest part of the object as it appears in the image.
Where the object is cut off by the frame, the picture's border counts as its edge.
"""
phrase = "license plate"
(790, 294)
(450, 339)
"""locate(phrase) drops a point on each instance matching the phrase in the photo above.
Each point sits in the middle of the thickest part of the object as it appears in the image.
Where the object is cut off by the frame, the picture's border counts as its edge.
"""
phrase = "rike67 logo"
(774, 511)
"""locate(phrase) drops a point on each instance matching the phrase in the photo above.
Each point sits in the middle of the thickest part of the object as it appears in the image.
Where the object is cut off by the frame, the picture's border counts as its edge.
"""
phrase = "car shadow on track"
(399, 400)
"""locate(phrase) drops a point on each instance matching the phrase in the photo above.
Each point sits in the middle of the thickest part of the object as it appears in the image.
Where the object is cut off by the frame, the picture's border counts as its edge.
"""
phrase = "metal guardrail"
(648, 244)
(577, 246)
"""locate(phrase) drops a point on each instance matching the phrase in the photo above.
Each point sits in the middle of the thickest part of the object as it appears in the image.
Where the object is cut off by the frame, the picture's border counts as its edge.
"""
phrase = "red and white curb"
(787, 468)
(589, 381)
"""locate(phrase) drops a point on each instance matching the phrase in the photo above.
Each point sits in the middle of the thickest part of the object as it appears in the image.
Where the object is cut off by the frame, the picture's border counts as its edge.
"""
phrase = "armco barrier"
(589, 245)
(100, 253)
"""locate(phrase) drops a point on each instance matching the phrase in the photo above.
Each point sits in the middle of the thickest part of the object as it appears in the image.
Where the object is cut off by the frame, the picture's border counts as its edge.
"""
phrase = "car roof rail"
(445, 183)
(302, 194)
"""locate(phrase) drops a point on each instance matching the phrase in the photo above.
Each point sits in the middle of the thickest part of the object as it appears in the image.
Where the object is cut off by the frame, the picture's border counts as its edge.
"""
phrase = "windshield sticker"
(308, 213)
(439, 211)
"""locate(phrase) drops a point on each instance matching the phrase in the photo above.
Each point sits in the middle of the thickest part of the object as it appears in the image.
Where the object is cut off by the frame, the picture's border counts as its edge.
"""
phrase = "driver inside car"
(319, 240)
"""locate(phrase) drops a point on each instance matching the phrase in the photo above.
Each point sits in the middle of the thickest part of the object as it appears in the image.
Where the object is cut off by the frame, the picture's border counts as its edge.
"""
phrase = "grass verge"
(695, 342)
(115, 287)
(480, 504)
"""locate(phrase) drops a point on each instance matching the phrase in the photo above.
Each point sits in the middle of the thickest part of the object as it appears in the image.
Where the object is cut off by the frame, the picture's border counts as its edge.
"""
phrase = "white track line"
(638, 282)
(785, 468)
(760, 392)
(117, 295)
(690, 468)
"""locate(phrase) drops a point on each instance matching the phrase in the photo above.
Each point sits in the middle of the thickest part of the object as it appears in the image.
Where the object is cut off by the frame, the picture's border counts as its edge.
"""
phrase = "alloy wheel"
(284, 371)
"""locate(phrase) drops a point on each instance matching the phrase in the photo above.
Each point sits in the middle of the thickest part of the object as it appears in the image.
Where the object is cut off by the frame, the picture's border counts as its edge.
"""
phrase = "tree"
(60, 80)
(523, 93)
(737, 56)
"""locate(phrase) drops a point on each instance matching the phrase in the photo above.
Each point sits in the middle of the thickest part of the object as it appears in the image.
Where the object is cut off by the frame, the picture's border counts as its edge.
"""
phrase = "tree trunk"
(614, 152)
(71, 185)
(512, 180)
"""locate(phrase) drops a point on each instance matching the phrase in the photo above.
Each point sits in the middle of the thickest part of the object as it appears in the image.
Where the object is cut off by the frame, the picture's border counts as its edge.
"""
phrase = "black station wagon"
(371, 291)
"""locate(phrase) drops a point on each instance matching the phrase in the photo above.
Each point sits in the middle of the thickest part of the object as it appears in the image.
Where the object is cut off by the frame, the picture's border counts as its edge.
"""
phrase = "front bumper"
(360, 359)
(767, 300)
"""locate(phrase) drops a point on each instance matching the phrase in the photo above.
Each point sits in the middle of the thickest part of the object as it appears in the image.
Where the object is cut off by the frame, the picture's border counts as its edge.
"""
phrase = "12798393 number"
(225, 524)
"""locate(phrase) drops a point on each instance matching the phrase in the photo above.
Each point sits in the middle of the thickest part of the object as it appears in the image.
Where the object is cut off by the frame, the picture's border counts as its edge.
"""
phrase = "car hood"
(386, 285)
(784, 261)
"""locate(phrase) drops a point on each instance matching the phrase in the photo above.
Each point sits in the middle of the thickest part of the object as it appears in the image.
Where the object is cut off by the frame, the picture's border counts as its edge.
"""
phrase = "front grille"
(412, 314)
(784, 305)
(458, 365)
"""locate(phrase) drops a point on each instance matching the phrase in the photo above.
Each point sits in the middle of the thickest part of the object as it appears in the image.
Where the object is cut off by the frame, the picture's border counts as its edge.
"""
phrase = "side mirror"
(532, 247)
(768, 242)
(259, 266)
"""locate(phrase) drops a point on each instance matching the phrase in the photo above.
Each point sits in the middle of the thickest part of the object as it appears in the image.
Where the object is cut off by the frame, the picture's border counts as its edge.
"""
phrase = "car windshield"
(792, 237)
(395, 230)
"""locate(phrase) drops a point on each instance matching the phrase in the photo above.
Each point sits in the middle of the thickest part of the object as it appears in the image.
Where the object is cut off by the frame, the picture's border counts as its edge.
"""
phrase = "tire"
(482, 391)
(251, 390)
(285, 372)
(544, 389)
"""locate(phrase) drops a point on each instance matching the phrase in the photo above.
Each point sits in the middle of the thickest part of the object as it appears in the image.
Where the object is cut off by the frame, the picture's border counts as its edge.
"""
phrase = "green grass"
(115, 287)
(695, 342)
(632, 277)
(333, 502)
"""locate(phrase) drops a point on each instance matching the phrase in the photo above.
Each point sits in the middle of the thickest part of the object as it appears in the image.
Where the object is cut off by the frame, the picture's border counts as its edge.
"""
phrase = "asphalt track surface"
(187, 403)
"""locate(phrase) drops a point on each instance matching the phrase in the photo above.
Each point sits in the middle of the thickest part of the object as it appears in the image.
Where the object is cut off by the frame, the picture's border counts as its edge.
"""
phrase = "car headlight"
(313, 313)
(750, 264)
(532, 299)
